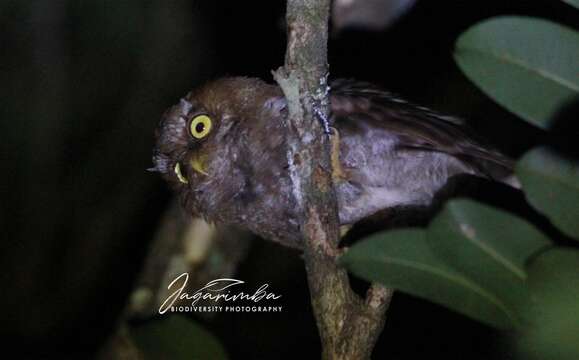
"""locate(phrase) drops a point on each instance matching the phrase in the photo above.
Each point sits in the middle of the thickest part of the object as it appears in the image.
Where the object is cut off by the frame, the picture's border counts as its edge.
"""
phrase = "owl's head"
(204, 142)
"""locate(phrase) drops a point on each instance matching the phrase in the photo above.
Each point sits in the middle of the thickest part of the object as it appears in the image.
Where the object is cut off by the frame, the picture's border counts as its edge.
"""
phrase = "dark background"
(82, 87)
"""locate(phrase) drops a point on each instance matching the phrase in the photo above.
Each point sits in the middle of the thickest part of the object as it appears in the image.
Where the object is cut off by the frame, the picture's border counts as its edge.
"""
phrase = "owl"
(223, 150)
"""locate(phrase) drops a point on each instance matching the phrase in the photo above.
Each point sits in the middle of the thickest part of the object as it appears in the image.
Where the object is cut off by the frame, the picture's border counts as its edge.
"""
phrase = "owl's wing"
(413, 127)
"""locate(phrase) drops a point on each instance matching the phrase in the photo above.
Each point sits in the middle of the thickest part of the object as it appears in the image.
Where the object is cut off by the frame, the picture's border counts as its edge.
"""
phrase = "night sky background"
(82, 87)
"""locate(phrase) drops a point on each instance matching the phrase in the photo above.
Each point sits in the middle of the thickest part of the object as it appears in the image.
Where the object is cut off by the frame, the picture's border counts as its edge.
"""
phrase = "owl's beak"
(197, 162)
(179, 174)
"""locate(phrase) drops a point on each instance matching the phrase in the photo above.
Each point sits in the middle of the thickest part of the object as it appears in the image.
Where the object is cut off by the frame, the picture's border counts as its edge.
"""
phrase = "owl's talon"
(337, 172)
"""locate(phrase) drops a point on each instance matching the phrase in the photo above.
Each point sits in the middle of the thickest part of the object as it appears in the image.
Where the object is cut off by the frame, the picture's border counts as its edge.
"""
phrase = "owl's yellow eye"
(200, 126)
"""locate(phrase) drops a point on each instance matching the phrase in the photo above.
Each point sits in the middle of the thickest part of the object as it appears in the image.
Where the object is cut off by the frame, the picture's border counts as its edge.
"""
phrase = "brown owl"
(222, 148)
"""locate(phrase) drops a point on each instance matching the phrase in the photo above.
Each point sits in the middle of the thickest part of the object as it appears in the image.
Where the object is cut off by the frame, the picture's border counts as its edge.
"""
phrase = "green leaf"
(551, 185)
(554, 282)
(574, 3)
(175, 337)
(527, 65)
(487, 245)
(403, 260)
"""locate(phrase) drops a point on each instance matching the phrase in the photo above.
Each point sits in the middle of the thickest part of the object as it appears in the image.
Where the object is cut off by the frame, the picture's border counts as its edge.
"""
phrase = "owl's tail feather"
(495, 166)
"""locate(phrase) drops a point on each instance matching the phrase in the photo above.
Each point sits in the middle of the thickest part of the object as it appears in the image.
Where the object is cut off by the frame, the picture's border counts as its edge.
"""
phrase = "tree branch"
(348, 325)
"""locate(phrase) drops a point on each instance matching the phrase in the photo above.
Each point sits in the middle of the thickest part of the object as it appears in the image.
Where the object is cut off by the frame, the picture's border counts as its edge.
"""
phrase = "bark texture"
(348, 325)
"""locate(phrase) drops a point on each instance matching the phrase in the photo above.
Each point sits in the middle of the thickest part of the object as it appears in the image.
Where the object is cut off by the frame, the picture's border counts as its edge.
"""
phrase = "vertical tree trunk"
(348, 325)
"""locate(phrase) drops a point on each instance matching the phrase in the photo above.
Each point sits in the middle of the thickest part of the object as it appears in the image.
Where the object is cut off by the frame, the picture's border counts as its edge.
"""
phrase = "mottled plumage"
(391, 154)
